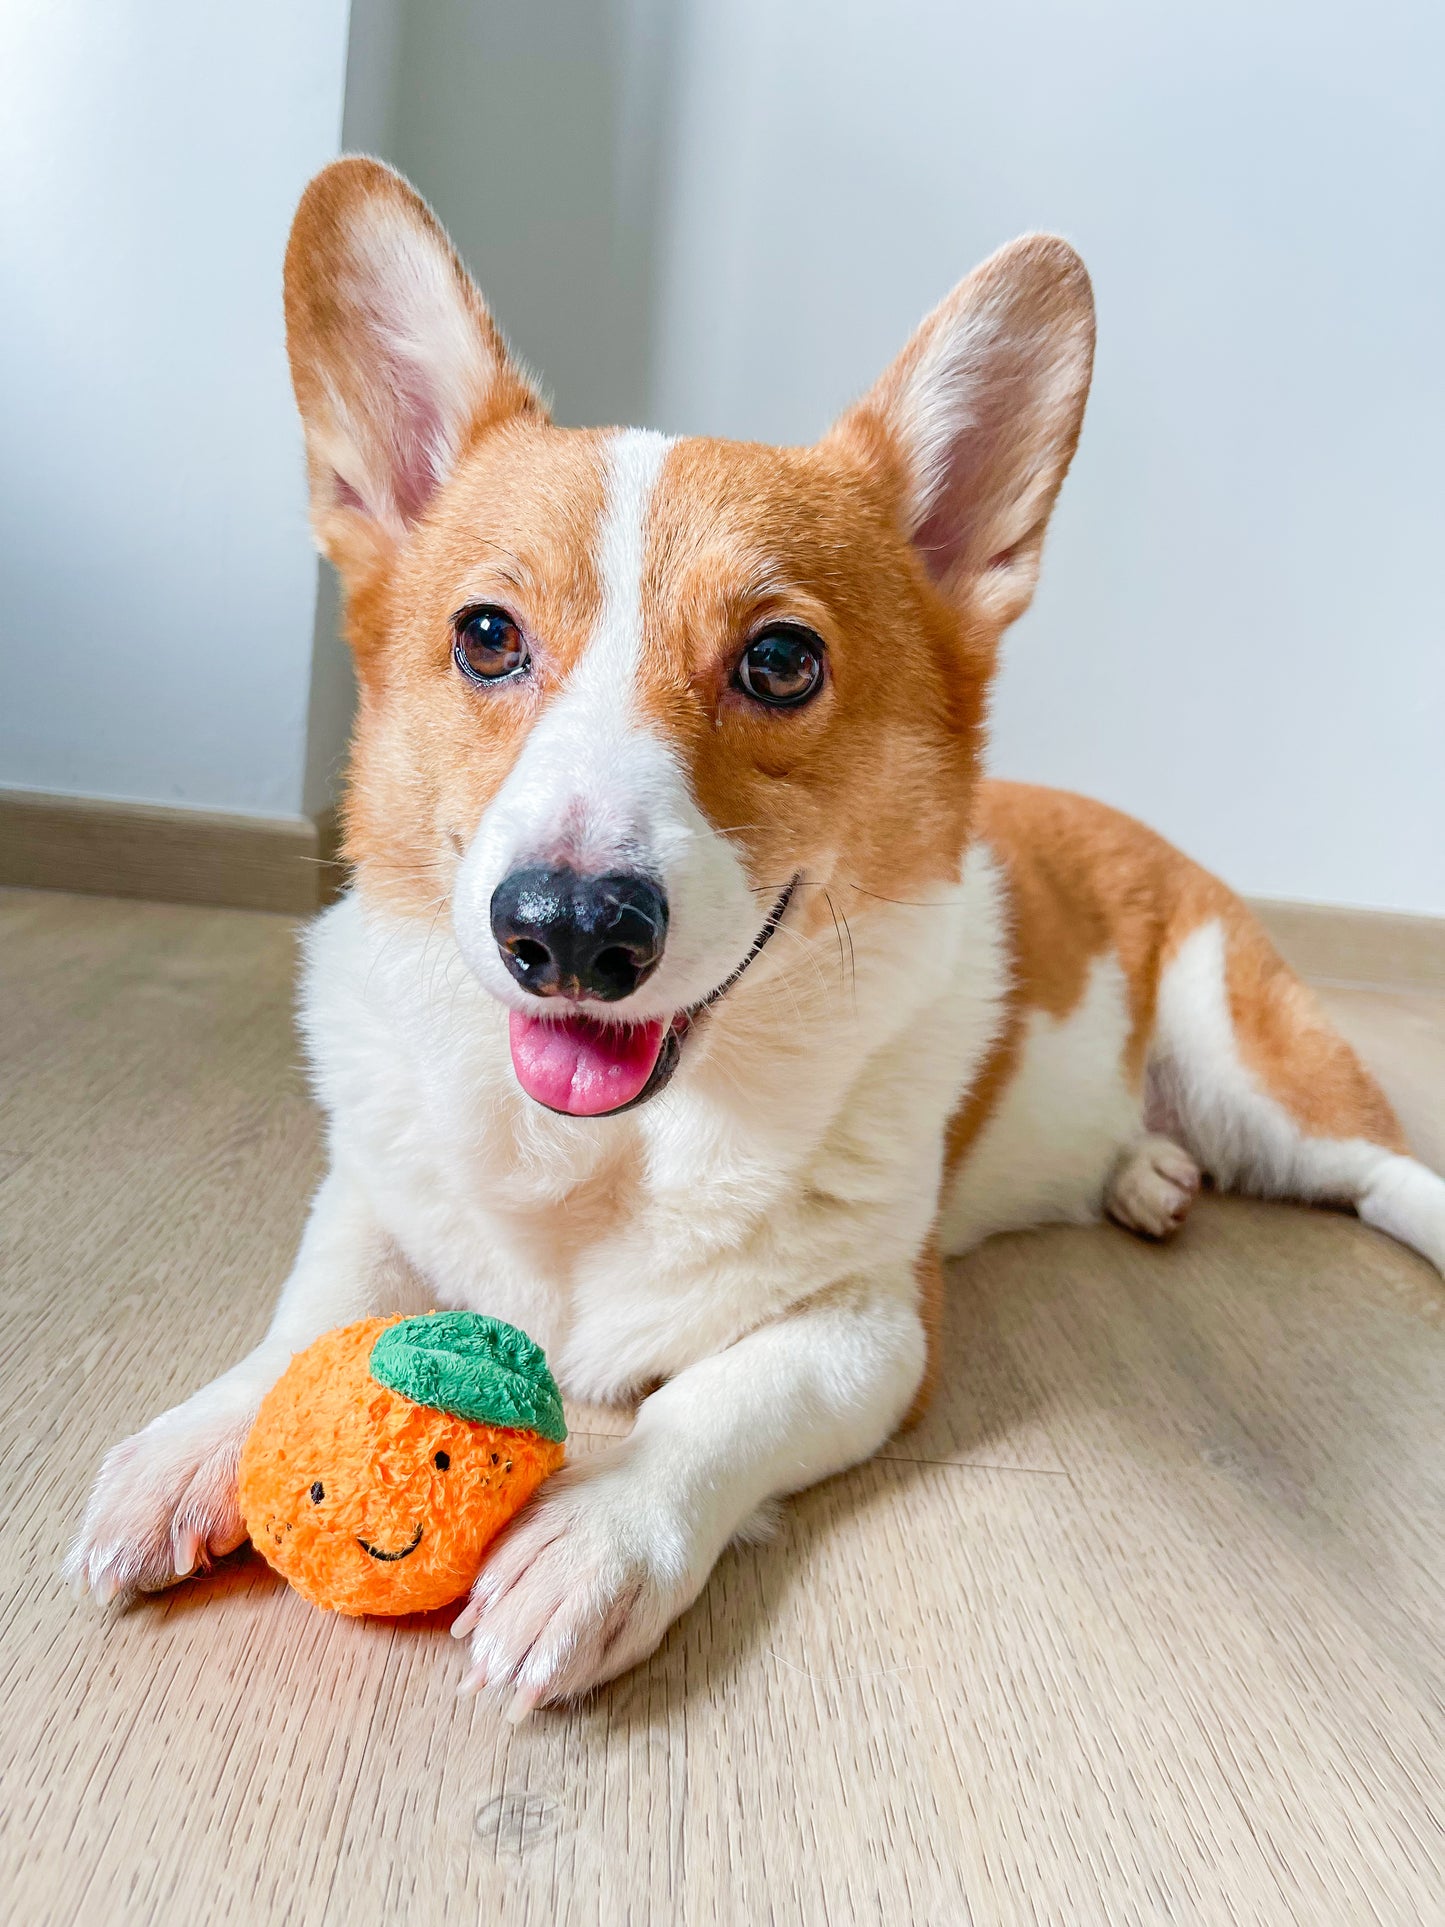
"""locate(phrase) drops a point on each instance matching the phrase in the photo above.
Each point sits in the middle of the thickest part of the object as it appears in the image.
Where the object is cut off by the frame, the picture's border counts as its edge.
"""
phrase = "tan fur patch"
(1084, 880)
(1285, 1039)
(928, 1270)
(517, 526)
(867, 788)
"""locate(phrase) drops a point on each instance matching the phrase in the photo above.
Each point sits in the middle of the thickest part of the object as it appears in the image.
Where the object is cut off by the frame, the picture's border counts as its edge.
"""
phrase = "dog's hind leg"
(1246, 1071)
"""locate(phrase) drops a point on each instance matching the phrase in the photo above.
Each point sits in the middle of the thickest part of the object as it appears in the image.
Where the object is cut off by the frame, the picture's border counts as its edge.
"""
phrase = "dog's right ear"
(396, 363)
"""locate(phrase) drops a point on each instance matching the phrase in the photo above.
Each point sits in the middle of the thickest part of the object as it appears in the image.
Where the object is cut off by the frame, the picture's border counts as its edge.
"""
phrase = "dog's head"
(628, 703)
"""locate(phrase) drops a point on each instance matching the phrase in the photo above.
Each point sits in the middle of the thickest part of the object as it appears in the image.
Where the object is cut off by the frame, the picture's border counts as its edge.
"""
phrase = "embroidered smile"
(377, 1553)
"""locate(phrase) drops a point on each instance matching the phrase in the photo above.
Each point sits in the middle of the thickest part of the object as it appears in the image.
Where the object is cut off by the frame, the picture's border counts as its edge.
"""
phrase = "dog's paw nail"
(105, 1589)
(466, 1619)
(524, 1702)
(472, 1681)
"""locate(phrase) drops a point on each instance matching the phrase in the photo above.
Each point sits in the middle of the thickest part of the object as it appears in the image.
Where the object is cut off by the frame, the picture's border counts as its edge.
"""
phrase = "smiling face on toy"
(389, 1454)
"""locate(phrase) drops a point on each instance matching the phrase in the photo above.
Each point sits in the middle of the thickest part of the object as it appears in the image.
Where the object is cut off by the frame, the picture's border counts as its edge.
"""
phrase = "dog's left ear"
(977, 420)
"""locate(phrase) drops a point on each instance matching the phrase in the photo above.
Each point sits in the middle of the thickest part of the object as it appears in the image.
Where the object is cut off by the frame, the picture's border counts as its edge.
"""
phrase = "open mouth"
(583, 1067)
(377, 1553)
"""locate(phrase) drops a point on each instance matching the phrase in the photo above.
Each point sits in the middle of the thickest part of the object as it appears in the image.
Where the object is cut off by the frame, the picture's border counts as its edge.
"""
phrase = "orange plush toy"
(390, 1453)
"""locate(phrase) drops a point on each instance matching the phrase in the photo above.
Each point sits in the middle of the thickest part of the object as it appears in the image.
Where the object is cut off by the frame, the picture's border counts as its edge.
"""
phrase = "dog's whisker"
(852, 958)
(902, 903)
(837, 930)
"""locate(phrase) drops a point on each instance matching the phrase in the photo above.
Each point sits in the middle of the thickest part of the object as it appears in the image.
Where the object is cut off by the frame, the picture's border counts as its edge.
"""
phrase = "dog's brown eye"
(489, 646)
(781, 667)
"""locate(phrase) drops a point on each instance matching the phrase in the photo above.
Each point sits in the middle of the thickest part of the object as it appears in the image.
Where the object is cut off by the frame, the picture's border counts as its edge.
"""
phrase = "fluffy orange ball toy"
(389, 1453)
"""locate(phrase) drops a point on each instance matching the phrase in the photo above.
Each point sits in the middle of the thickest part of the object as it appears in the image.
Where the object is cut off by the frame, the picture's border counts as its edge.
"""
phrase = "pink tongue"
(581, 1066)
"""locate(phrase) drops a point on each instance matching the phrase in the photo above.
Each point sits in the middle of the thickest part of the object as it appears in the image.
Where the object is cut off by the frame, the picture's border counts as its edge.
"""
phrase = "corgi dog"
(696, 994)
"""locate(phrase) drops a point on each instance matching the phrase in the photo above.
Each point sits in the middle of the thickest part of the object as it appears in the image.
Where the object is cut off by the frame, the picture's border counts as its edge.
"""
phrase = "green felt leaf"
(474, 1366)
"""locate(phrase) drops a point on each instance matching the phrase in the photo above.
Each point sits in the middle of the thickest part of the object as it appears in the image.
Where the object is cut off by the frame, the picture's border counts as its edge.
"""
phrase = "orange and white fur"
(983, 1006)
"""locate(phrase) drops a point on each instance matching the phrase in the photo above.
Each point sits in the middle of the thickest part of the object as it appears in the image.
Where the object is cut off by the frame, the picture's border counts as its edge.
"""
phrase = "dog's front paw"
(581, 1587)
(164, 1503)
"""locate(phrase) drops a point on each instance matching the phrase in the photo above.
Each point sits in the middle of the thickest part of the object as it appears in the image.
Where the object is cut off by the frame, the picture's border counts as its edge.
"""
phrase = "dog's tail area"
(1246, 1071)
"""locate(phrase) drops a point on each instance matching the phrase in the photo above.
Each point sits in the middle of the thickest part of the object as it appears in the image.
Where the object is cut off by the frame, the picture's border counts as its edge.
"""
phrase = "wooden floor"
(1144, 1624)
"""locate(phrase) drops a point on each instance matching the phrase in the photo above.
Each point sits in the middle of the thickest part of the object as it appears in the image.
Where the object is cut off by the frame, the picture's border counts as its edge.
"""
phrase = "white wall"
(157, 615)
(536, 132)
(1241, 630)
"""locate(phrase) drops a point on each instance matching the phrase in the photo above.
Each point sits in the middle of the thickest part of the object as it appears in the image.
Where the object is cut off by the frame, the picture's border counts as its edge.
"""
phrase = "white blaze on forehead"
(635, 459)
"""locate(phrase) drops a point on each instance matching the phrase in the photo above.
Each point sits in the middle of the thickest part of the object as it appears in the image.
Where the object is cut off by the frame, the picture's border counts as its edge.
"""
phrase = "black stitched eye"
(442, 1461)
(489, 646)
(318, 1493)
(782, 667)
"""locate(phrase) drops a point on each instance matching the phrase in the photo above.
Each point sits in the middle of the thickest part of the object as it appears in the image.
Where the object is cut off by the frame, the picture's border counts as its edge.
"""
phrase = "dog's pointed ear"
(396, 363)
(977, 420)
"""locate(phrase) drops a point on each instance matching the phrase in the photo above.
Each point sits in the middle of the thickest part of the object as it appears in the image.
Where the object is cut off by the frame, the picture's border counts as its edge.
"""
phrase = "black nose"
(565, 935)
